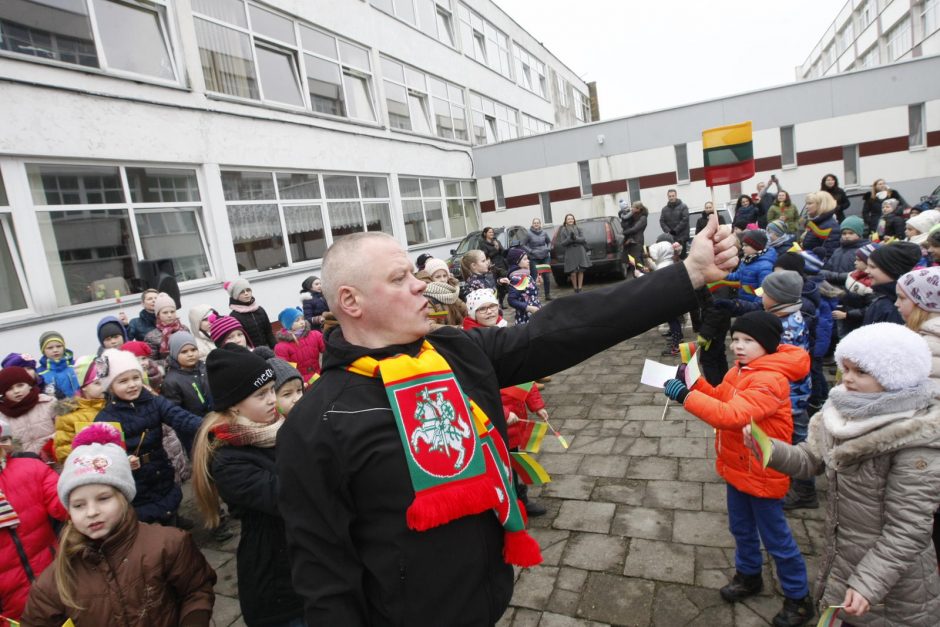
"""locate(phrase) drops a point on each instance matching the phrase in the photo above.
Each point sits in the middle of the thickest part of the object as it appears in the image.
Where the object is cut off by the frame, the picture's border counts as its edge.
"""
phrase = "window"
(462, 208)
(870, 58)
(584, 173)
(899, 40)
(12, 277)
(533, 126)
(634, 186)
(850, 164)
(277, 218)
(845, 37)
(930, 17)
(253, 53)
(498, 189)
(98, 221)
(828, 57)
(423, 209)
(492, 121)
(530, 72)
(581, 110)
(917, 138)
(483, 41)
(865, 13)
(130, 36)
(682, 163)
(562, 85)
(431, 16)
(414, 98)
(545, 202)
(787, 150)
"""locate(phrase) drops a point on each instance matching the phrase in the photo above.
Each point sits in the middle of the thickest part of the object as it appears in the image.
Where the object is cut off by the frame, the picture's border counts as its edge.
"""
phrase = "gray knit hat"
(178, 340)
(97, 457)
(236, 286)
(283, 372)
(784, 286)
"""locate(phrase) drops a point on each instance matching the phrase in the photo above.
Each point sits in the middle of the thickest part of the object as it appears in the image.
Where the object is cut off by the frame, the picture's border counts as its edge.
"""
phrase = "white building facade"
(236, 137)
(868, 33)
(802, 132)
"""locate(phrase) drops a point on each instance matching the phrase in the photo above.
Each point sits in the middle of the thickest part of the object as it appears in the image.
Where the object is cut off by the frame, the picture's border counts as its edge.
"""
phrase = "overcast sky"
(655, 54)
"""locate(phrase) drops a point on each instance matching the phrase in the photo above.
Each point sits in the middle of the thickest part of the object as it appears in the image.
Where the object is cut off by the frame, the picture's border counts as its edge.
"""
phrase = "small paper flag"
(686, 350)
(437, 314)
(519, 282)
(542, 268)
(829, 618)
(529, 470)
(562, 440)
(518, 392)
(532, 434)
(764, 444)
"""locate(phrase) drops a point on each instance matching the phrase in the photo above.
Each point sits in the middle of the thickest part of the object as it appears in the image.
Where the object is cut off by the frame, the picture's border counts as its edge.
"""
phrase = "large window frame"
(532, 125)
(150, 201)
(329, 75)
(483, 42)
(562, 85)
(14, 295)
(435, 107)
(492, 121)
(331, 206)
(530, 71)
(917, 126)
(436, 210)
(788, 146)
(434, 18)
(581, 111)
(930, 17)
(93, 54)
(899, 40)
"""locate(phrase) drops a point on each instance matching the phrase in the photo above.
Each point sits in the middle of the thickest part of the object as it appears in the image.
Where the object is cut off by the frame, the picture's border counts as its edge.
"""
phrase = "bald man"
(360, 450)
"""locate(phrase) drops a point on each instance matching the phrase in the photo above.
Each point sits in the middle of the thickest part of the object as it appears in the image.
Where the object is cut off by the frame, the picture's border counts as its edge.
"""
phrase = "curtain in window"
(226, 60)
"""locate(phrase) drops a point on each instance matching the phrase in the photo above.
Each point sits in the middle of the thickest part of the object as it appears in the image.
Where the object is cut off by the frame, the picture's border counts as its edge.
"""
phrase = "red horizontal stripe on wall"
(882, 146)
(609, 187)
(820, 155)
(568, 193)
(522, 201)
(486, 206)
(658, 180)
(933, 138)
(697, 174)
(765, 164)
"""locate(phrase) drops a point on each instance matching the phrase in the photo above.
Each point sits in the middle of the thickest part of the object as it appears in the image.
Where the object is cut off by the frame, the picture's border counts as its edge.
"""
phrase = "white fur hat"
(114, 362)
(478, 298)
(925, 221)
(896, 356)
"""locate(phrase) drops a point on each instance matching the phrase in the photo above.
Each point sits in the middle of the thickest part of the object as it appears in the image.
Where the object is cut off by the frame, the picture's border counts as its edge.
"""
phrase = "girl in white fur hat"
(877, 439)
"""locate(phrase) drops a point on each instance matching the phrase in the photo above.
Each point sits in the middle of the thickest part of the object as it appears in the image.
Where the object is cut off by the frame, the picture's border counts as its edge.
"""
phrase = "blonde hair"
(917, 318)
(71, 543)
(204, 489)
(823, 200)
(472, 257)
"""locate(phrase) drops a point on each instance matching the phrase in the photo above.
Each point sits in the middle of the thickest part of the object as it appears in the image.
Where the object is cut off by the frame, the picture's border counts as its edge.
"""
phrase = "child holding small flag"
(525, 434)
(878, 441)
(523, 288)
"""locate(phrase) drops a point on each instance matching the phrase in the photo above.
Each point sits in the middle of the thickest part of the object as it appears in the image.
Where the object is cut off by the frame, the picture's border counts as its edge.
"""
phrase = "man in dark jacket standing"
(674, 220)
(354, 459)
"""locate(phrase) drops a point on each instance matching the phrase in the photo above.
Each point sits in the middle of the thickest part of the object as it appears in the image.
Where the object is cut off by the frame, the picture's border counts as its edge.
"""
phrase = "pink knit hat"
(221, 326)
(164, 301)
(923, 287)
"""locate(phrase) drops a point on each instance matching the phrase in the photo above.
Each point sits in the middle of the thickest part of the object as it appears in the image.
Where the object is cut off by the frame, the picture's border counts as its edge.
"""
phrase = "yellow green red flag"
(529, 470)
(728, 153)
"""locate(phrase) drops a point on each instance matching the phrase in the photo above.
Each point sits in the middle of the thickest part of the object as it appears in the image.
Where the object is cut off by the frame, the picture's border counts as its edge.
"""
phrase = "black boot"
(534, 509)
(741, 587)
(795, 612)
(802, 495)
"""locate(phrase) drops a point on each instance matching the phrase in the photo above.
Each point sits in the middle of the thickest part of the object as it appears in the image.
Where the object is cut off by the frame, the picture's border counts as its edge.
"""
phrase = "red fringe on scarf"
(437, 506)
(521, 549)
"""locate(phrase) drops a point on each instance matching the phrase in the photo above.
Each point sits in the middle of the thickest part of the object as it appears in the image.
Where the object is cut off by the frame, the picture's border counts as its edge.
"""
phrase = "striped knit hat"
(221, 326)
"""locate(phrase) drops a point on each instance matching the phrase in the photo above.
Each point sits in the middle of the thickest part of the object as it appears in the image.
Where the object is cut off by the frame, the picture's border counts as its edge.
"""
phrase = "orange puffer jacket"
(759, 391)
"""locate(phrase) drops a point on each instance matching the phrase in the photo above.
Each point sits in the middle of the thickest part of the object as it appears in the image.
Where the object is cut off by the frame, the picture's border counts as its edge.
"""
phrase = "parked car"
(604, 238)
(930, 201)
(507, 236)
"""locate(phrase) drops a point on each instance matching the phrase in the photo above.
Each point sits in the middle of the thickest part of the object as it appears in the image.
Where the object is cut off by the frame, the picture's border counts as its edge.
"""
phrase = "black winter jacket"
(497, 256)
(246, 479)
(883, 309)
(158, 496)
(187, 387)
(674, 220)
(314, 305)
(842, 262)
(345, 484)
(256, 324)
(871, 208)
(633, 227)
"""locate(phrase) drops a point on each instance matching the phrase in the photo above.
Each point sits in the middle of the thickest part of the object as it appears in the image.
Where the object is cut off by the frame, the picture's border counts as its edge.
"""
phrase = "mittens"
(676, 390)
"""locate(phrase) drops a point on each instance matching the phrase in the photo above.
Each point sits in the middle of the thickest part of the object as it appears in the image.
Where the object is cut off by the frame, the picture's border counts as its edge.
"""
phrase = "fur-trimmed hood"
(910, 429)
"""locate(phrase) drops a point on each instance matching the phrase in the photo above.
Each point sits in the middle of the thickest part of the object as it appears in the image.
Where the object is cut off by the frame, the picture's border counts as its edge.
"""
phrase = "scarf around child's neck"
(751, 258)
(25, 404)
(861, 412)
(245, 432)
(166, 330)
(437, 423)
(240, 307)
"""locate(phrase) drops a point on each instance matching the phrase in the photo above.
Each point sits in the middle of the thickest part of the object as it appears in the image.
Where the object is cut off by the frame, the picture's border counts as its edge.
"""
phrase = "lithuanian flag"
(728, 153)
(529, 470)
(543, 268)
(532, 434)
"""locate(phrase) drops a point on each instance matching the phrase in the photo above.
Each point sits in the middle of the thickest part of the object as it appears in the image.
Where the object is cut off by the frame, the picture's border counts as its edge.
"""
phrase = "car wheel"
(560, 278)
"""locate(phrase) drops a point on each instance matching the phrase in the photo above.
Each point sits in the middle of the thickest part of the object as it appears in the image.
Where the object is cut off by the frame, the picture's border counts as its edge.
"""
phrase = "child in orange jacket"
(757, 389)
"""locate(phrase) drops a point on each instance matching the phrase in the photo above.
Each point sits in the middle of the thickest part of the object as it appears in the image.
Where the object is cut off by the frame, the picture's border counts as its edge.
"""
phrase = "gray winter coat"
(575, 247)
(884, 486)
(674, 220)
(538, 244)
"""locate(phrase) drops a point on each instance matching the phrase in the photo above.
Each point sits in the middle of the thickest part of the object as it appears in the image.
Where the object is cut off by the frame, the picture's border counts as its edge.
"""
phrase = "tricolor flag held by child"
(529, 470)
(728, 154)
(532, 433)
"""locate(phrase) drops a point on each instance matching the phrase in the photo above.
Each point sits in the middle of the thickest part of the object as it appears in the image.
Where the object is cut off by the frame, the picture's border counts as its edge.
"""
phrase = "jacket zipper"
(24, 559)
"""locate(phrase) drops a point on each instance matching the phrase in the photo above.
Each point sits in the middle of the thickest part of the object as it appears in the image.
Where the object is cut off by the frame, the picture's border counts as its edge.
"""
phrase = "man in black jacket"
(674, 220)
(344, 475)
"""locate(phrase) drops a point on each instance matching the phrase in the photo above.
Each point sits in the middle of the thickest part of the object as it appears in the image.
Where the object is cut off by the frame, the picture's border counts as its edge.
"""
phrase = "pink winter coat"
(303, 351)
(36, 427)
(30, 487)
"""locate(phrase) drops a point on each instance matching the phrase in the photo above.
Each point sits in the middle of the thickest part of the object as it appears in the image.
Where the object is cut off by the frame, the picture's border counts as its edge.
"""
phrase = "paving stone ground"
(636, 531)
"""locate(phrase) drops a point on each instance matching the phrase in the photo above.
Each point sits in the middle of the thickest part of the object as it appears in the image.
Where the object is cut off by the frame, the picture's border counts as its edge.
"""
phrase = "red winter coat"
(759, 391)
(517, 406)
(303, 351)
(30, 487)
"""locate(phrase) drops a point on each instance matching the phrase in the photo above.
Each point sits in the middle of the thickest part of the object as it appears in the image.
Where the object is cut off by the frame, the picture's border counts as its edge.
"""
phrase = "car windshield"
(471, 242)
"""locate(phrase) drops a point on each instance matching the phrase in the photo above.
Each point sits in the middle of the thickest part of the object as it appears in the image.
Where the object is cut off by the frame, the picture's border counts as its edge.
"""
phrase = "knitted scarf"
(860, 412)
(166, 330)
(244, 432)
(15, 410)
(240, 307)
(443, 293)
(459, 464)
(8, 515)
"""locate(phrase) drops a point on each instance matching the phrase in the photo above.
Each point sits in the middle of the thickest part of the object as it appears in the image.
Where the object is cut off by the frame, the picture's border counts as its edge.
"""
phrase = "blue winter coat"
(751, 276)
(314, 304)
(60, 373)
(830, 243)
(842, 262)
(824, 323)
(882, 309)
(518, 298)
(158, 496)
(140, 326)
(796, 333)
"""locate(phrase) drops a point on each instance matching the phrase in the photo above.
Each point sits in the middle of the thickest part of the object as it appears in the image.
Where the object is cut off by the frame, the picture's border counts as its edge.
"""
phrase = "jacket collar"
(340, 353)
(116, 545)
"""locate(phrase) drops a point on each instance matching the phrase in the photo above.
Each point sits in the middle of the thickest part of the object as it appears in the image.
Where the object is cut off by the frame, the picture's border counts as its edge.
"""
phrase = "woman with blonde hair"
(233, 458)
(822, 228)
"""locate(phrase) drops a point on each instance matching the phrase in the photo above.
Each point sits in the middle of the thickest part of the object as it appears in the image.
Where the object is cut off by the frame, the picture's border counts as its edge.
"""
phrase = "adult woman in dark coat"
(873, 201)
(577, 259)
(745, 212)
(830, 183)
(496, 255)
(633, 227)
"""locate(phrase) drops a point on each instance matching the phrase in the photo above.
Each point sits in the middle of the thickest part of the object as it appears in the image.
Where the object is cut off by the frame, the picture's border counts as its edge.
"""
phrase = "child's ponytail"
(468, 260)
(204, 488)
